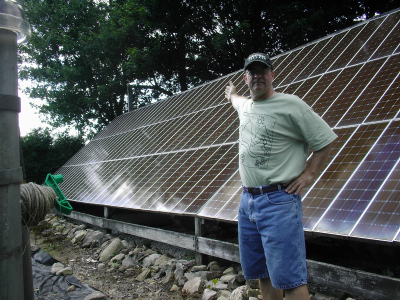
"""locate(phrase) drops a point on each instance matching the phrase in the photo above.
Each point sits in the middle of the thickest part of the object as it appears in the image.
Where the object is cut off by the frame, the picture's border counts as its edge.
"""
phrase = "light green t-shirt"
(274, 138)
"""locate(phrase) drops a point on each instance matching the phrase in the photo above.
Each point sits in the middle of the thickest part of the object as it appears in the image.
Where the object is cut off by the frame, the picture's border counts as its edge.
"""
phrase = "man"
(276, 131)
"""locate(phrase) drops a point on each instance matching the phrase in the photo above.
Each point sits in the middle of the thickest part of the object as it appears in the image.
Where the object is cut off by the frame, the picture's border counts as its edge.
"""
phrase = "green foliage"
(84, 54)
(44, 154)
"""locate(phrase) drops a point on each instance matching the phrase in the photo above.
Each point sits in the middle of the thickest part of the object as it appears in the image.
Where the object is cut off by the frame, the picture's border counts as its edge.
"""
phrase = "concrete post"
(11, 268)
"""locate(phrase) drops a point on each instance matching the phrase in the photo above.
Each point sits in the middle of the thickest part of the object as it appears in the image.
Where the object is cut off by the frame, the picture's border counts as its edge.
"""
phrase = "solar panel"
(180, 155)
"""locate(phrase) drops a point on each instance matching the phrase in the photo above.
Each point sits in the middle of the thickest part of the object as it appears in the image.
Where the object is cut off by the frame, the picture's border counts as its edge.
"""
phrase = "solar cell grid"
(357, 44)
(221, 197)
(376, 39)
(349, 159)
(351, 93)
(214, 179)
(292, 61)
(171, 179)
(184, 177)
(372, 95)
(389, 104)
(180, 155)
(382, 218)
(184, 195)
(391, 42)
(215, 135)
(320, 62)
(320, 196)
(145, 187)
(314, 58)
(329, 96)
(340, 47)
(299, 64)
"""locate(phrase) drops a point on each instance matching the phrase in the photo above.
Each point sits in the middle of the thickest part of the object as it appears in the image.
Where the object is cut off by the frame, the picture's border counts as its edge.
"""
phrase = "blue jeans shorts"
(271, 238)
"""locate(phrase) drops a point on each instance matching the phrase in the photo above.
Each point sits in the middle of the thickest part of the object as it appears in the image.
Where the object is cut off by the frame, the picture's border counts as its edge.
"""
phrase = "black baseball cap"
(260, 57)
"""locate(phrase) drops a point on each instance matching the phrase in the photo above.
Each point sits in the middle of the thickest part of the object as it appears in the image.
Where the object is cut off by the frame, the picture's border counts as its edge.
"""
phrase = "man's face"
(258, 78)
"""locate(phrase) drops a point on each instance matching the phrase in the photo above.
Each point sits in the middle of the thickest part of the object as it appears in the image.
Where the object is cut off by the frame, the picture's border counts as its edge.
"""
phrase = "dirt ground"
(114, 283)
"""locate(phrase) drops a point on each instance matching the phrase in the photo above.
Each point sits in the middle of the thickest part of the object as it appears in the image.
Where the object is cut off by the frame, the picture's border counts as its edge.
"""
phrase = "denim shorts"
(271, 239)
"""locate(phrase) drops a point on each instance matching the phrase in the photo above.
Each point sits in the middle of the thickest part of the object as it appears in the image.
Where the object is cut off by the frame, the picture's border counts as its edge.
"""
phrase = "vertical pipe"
(11, 274)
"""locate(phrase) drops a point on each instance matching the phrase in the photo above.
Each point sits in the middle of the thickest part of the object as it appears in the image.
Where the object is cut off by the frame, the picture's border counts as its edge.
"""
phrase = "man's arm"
(231, 94)
(313, 168)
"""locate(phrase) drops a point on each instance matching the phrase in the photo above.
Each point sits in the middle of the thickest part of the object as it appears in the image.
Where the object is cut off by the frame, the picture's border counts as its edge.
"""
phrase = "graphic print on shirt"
(255, 148)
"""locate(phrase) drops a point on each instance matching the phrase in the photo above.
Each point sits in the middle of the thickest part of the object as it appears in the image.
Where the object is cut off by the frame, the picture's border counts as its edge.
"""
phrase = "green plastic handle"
(62, 205)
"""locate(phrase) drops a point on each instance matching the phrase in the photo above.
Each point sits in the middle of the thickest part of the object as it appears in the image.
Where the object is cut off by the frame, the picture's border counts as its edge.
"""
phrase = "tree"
(43, 154)
(85, 53)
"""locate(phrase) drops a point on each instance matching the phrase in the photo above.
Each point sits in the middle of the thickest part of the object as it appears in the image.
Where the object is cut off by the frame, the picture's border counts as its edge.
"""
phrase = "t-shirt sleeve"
(315, 130)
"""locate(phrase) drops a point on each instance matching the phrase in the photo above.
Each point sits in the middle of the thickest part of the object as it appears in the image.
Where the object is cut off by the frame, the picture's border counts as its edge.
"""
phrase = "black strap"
(9, 102)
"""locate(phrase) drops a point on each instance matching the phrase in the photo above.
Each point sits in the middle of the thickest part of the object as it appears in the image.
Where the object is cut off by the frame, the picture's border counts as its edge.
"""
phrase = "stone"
(146, 272)
(93, 239)
(163, 260)
(79, 236)
(65, 271)
(96, 296)
(253, 283)
(150, 260)
(111, 250)
(227, 278)
(230, 270)
(193, 286)
(118, 258)
(56, 267)
(237, 294)
(209, 295)
(174, 288)
(198, 268)
(225, 294)
(252, 293)
(201, 274)
(128, 262)
(71, 288)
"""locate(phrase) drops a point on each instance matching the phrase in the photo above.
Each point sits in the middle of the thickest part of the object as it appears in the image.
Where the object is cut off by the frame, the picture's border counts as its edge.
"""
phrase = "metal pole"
(11, 268)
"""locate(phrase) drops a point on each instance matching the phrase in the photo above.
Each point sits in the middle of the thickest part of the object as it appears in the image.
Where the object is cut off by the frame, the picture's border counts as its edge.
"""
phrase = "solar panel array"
(180, 155)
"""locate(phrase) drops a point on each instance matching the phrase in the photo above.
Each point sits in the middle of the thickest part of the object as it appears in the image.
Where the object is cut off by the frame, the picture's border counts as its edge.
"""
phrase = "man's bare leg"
(268, 291)
(299, 293)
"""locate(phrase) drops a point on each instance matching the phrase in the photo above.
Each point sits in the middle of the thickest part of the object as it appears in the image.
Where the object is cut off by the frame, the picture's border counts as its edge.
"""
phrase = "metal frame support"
(198, 232)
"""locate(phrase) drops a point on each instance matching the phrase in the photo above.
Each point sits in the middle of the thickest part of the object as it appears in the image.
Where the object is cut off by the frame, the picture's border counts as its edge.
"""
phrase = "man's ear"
(245, 78)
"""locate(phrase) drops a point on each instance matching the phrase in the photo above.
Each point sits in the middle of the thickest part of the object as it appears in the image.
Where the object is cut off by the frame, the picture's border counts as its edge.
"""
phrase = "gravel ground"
(114, 283)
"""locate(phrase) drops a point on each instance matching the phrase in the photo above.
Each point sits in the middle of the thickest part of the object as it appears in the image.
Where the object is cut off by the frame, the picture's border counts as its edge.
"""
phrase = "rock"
(222, 295)
(251, 293)
(71, 288)
(230, 270)
(96, 296)
(198, 268)
(111, 250)
(253, 284)
(174, 288)
(56, 267)
(194, 285)
(201, 274)
(163, 260)
(227, 278)
(150, 260)
(236, 281)
(65, 271)
(146, 272)
(93, 239)
(118, 258)
(79, 236)
(128, 262)
(209, 295)
(237, 294)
